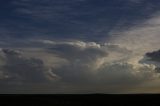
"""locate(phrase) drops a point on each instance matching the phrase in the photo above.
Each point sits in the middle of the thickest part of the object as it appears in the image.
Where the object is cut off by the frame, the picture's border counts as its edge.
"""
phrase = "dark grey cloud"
(19, 69)
(78, 53)
(154, 56)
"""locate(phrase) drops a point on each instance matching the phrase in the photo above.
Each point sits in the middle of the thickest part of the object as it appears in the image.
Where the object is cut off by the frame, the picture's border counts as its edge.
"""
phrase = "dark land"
(80, 99)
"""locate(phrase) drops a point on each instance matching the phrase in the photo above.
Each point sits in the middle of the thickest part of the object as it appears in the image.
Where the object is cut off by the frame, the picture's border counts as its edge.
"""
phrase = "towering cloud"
(88, 66)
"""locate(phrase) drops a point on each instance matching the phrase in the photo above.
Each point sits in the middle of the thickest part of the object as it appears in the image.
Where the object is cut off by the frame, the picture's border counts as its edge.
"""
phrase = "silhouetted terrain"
(81, 99)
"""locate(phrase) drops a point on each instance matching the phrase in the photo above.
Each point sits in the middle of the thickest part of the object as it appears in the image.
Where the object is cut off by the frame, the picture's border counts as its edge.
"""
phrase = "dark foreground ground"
(82, 100)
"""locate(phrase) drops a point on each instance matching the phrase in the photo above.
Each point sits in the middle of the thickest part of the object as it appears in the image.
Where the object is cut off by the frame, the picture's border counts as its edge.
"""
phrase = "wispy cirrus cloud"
(80, 19)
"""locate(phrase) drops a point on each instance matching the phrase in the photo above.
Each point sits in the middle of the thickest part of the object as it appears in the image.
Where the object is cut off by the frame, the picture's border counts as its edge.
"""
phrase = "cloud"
(140, 39)
(19, 70)
(103, 63)
(80, 19)
(131, 29)
(152, 58)
(82, 67)
(155, 56)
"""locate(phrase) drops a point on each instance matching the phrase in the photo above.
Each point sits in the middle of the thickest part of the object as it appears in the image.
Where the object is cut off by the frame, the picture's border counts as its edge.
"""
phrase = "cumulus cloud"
(126, 74)
(92, 60)
(86, 66)
(18, 69)
(97, 66)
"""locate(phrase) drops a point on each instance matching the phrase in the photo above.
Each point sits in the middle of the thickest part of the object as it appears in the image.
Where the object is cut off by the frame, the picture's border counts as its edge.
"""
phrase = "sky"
(79, 46)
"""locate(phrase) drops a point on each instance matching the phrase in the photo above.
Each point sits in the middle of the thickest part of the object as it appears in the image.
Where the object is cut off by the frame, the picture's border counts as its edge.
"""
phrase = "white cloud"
(78, 43)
